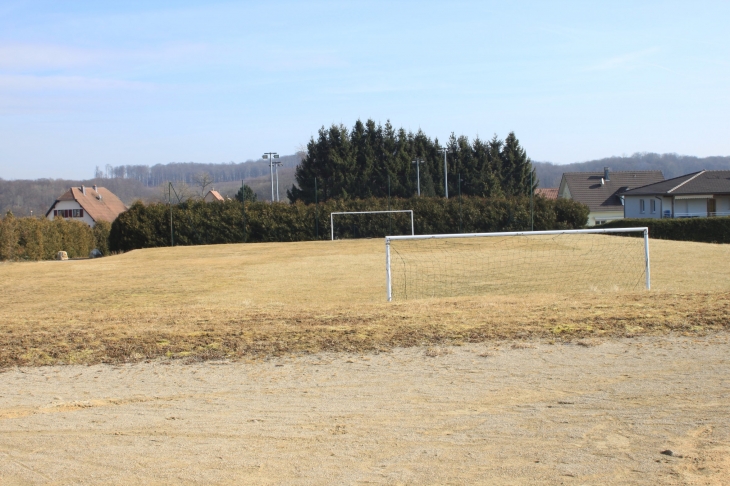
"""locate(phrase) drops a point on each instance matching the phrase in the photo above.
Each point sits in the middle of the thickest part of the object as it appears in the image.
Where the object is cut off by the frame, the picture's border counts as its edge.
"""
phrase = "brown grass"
(240, 301)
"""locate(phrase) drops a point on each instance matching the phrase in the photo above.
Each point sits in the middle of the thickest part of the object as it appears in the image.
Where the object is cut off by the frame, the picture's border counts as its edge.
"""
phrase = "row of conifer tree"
(378, 161)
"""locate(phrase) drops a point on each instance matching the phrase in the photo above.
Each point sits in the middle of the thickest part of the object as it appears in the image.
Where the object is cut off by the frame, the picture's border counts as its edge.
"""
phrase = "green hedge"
(200, 223)
(705, 230)
(42, 239)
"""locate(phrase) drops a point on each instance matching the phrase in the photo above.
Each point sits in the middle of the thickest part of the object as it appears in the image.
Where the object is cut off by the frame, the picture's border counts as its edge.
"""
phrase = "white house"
(87, 205)
(700, 194)
(600, 191)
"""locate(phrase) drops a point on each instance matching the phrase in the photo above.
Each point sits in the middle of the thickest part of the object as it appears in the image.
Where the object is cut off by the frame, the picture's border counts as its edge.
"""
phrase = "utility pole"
(459, 202)
(446, 173)
(316, 211)
(169, 202)
(243, 201)
(418, 163)
(532, 206)
(271, 156)
(390, 222)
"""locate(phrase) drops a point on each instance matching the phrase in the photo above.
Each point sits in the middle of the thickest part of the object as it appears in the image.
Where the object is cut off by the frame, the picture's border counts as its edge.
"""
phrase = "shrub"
(41, 239)
(101, 236)
(705, 230)
(200, 223)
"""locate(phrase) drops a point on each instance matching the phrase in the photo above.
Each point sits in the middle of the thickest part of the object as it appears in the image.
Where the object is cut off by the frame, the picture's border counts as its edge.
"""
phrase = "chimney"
(605, 173)
(83, 189)
(95, 188)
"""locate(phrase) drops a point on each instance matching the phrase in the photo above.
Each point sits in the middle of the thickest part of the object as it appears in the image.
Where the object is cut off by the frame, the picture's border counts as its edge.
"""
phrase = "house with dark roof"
(87, 205)
(699, 194)
(601, 191)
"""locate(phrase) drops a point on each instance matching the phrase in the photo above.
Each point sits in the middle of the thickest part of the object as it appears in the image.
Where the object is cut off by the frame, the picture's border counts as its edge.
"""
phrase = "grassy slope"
(260, 299)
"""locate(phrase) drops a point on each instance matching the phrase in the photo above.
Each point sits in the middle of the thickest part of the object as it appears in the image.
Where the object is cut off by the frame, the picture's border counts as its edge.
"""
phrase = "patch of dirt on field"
(202, 333)
(586, 412)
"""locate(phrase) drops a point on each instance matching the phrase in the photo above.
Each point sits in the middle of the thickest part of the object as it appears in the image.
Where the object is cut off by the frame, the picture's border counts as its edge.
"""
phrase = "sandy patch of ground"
(586, 412)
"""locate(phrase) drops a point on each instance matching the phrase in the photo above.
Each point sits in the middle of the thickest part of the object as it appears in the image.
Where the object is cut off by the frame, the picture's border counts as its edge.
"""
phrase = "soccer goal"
(593, 260)
(350, 213)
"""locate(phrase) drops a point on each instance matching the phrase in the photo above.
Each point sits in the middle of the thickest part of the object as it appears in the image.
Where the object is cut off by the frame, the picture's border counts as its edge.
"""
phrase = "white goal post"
(332, 218)
(447, 265)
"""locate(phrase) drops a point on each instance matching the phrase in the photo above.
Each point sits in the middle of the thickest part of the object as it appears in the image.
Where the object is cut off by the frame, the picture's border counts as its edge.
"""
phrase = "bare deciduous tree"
(202, 180)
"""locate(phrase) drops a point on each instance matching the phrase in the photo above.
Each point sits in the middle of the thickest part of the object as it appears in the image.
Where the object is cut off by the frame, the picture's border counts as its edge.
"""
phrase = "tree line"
(186, 172)
(195, 222)
(379, 161)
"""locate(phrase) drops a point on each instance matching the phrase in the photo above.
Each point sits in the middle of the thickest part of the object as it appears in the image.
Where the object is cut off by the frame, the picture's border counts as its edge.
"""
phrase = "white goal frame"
(332, 219)
(388, 239)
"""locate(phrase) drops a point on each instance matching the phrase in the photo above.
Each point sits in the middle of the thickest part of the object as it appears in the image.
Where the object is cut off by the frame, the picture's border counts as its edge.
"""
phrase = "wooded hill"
(358, 149)
(671, 165)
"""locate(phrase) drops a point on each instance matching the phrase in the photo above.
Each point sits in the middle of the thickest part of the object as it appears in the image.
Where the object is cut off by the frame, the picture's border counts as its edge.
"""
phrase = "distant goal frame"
(332, 219)
(389, 239)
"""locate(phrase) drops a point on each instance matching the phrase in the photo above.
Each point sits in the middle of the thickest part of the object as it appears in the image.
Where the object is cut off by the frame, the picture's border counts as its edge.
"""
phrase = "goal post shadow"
(449, 265)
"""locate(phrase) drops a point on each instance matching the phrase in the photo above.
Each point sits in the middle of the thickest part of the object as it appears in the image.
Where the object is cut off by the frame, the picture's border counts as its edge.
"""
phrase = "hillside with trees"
(671, 165)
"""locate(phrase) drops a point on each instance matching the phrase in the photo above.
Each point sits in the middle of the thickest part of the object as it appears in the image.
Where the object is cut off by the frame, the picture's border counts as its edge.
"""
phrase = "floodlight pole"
(276, 171)
(446, 173)
(418, 163)
(271, 156)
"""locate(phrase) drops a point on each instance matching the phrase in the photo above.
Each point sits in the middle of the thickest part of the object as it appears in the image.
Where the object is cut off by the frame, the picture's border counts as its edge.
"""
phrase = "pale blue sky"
(85, 84)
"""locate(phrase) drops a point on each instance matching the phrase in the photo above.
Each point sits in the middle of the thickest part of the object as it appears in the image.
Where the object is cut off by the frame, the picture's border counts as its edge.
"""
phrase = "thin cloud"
(623, 61)
(30, 83)
(42, 57)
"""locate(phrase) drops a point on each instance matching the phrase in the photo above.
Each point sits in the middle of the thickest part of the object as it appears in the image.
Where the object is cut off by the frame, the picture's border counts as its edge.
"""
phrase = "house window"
(78, 213)
(653, 205)
(642, 206)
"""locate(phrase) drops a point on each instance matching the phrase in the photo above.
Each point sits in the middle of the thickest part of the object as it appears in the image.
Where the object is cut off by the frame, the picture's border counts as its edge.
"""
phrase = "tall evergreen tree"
(245, 193)
(360, 163)
(516, 168)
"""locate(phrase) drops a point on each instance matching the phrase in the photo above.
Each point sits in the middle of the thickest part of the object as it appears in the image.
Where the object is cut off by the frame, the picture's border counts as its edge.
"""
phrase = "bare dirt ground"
(585, 412)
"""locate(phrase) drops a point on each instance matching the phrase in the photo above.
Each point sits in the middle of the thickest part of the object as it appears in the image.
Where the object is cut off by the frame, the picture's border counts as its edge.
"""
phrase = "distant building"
(698, 195)
(87, 205)
(547, 193)
(601, 191)
(213, 196)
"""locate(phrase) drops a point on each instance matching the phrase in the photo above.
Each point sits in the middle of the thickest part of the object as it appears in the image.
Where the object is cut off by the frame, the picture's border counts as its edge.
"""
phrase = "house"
(700, 194)
(213, 196)
(87, 205)
(547, 193)
(600, 191)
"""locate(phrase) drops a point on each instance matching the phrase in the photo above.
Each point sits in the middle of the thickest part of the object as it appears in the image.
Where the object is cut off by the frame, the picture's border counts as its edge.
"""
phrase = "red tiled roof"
(215, 195)
(100, 204)
(547, 193)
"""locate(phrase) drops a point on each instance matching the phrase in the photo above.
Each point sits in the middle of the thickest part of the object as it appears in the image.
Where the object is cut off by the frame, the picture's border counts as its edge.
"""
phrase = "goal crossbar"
(388, 239)
(332, 219)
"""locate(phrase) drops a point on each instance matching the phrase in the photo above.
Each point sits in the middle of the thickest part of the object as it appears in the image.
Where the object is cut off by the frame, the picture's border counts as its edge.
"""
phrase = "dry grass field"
(256, 300)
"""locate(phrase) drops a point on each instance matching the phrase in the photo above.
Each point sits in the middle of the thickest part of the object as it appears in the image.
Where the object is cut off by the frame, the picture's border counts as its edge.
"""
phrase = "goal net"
(597, 260)
(371, 224)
